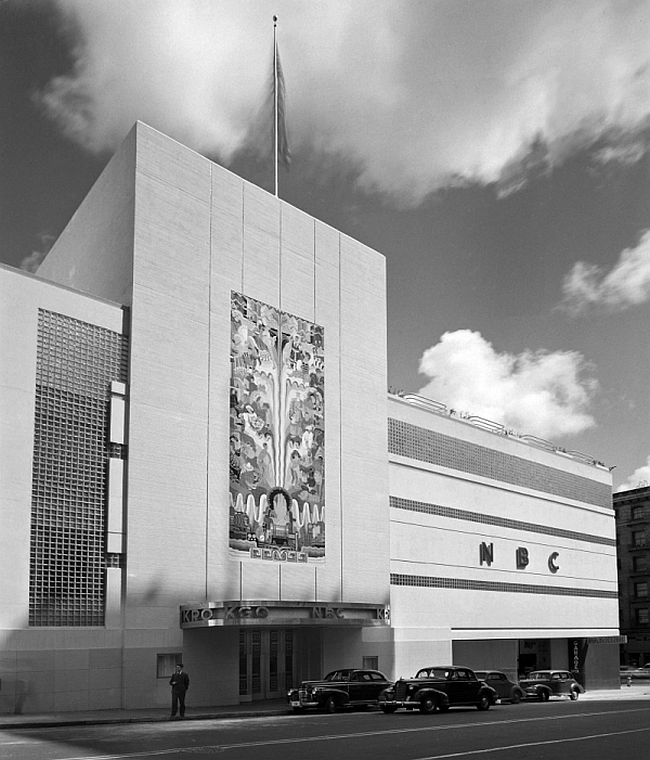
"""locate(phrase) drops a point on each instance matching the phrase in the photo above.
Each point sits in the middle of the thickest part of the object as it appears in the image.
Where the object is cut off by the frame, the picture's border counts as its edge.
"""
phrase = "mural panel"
(277, 435)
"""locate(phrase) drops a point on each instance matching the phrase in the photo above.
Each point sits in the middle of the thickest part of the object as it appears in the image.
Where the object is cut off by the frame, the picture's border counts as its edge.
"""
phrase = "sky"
(496, 152)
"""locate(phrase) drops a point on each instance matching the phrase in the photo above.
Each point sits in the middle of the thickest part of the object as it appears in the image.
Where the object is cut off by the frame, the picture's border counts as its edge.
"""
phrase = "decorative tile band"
(502, 522)
(421, 444)
(424, 581)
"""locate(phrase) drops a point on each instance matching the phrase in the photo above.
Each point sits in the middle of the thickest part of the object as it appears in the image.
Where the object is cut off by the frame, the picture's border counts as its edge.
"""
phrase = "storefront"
(279, 643)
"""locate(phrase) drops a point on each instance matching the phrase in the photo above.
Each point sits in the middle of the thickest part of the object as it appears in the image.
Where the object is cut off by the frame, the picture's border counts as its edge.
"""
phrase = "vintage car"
(631, 671)
(339, 689)
(544, 684)
(508, 690)
(438, 688)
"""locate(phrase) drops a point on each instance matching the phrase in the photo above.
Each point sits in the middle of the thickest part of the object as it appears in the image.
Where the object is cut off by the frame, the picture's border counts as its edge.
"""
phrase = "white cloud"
(626, 285)
(32, 262)
(537, 393)
(409, 93)
(640, 477)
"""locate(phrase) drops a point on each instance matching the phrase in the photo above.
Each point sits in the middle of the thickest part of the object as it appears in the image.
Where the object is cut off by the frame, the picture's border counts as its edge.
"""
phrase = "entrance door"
(265, 663)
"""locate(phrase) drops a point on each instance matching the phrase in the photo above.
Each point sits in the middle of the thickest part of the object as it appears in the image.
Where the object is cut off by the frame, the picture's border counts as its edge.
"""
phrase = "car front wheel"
(428, 706)
(543, 695)
(388, 709)
(483, 703)
(330, 705)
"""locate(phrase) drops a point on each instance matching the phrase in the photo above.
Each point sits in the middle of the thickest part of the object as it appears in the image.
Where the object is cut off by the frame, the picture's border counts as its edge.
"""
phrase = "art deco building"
(199, 460)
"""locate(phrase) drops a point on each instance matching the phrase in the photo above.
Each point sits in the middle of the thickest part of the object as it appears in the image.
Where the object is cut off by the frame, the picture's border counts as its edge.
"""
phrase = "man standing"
(180, 683)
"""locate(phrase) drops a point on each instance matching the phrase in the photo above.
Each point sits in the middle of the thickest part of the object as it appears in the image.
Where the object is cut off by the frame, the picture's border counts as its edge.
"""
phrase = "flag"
(280, 137)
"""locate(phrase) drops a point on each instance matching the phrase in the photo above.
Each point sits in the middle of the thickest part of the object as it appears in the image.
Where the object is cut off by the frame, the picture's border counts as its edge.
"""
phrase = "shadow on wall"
(47, 669)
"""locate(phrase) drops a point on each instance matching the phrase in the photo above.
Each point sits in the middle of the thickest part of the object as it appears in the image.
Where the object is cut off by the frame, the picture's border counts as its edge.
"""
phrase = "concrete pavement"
(145, 715)
(638, 690)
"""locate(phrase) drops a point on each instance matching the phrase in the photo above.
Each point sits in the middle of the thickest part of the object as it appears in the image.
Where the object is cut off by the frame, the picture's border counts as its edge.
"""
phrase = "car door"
(357, 686)
(376, 684)
(468, 686)
(456, 687)
(555, 684)
(565, 683)
(498, 682)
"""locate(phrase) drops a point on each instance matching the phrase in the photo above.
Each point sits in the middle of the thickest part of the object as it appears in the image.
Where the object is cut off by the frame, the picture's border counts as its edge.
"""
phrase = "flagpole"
(275, 103)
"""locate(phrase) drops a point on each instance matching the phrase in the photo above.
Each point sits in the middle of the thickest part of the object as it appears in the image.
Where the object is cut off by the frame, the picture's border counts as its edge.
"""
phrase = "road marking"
(474, 752)
(337, 737)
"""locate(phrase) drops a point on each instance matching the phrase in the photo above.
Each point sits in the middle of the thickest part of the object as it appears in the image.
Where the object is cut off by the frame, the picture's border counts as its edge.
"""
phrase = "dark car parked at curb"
(339, 689)
(544, 684)
(438, 688)
(508, 690)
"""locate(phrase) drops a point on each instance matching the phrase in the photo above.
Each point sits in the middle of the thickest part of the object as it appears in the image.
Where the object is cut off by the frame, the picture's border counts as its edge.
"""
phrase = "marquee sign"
(272, 613)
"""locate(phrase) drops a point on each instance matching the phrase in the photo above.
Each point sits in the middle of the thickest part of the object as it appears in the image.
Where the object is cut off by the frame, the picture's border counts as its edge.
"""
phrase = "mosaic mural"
(277, 441)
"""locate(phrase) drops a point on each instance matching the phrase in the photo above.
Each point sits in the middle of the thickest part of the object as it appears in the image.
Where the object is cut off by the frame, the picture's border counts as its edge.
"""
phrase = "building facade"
(502, 550)
(632, 509)
(199, 461)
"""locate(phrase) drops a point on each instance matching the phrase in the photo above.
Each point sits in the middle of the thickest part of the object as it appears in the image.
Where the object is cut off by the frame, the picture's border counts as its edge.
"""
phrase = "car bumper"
(303, 703)
(397, 703)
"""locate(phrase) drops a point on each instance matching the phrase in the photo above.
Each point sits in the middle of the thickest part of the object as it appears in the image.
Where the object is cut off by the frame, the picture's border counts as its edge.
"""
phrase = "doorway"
(266, 663)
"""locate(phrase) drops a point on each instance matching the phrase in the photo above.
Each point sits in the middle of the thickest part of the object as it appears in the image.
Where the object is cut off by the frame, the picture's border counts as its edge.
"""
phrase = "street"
(558, 729)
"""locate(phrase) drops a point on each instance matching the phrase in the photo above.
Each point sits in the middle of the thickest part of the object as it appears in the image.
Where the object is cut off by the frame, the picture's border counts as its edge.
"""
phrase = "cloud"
(32, 262)
(413, 95)
(640, 477)
(537, 393)
(627, 284)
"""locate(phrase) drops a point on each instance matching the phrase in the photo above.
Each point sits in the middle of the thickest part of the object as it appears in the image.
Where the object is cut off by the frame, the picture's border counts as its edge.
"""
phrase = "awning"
(274, 613)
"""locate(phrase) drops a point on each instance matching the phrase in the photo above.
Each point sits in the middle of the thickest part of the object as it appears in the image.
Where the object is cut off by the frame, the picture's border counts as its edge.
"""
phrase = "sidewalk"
(248, 710)
(146, 715)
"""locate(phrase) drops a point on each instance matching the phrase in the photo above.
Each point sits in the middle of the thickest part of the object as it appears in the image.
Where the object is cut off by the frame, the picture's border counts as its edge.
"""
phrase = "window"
(371, 663)
(638, 538)
(641, 616)
(641, 590)
(640, 564)
(167, 663)
(638, 513)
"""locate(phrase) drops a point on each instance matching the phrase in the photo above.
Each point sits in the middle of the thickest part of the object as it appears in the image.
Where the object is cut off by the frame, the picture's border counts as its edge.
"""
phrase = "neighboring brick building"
(632, 510)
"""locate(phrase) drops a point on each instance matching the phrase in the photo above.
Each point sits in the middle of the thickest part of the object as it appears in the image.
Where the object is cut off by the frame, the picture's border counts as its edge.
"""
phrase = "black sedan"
(438, 688)
(508, 690)
(339, 689)
(544, 684)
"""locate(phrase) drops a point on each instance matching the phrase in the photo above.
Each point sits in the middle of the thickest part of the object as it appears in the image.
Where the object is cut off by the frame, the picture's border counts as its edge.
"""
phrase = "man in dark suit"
(180, 683)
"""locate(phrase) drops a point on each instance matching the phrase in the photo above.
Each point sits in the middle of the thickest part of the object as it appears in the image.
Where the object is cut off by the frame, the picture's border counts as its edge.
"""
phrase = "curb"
(55, 723)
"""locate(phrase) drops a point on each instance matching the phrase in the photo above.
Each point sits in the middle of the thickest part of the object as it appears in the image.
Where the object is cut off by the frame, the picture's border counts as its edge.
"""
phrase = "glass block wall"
(76, 363)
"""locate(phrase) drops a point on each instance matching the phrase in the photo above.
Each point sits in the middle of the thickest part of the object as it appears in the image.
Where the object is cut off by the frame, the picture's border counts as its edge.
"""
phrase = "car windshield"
(337, 675)
(539, 675)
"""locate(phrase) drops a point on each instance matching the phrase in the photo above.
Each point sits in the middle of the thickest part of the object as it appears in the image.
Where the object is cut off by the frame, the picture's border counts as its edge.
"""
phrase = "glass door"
(265, 663)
